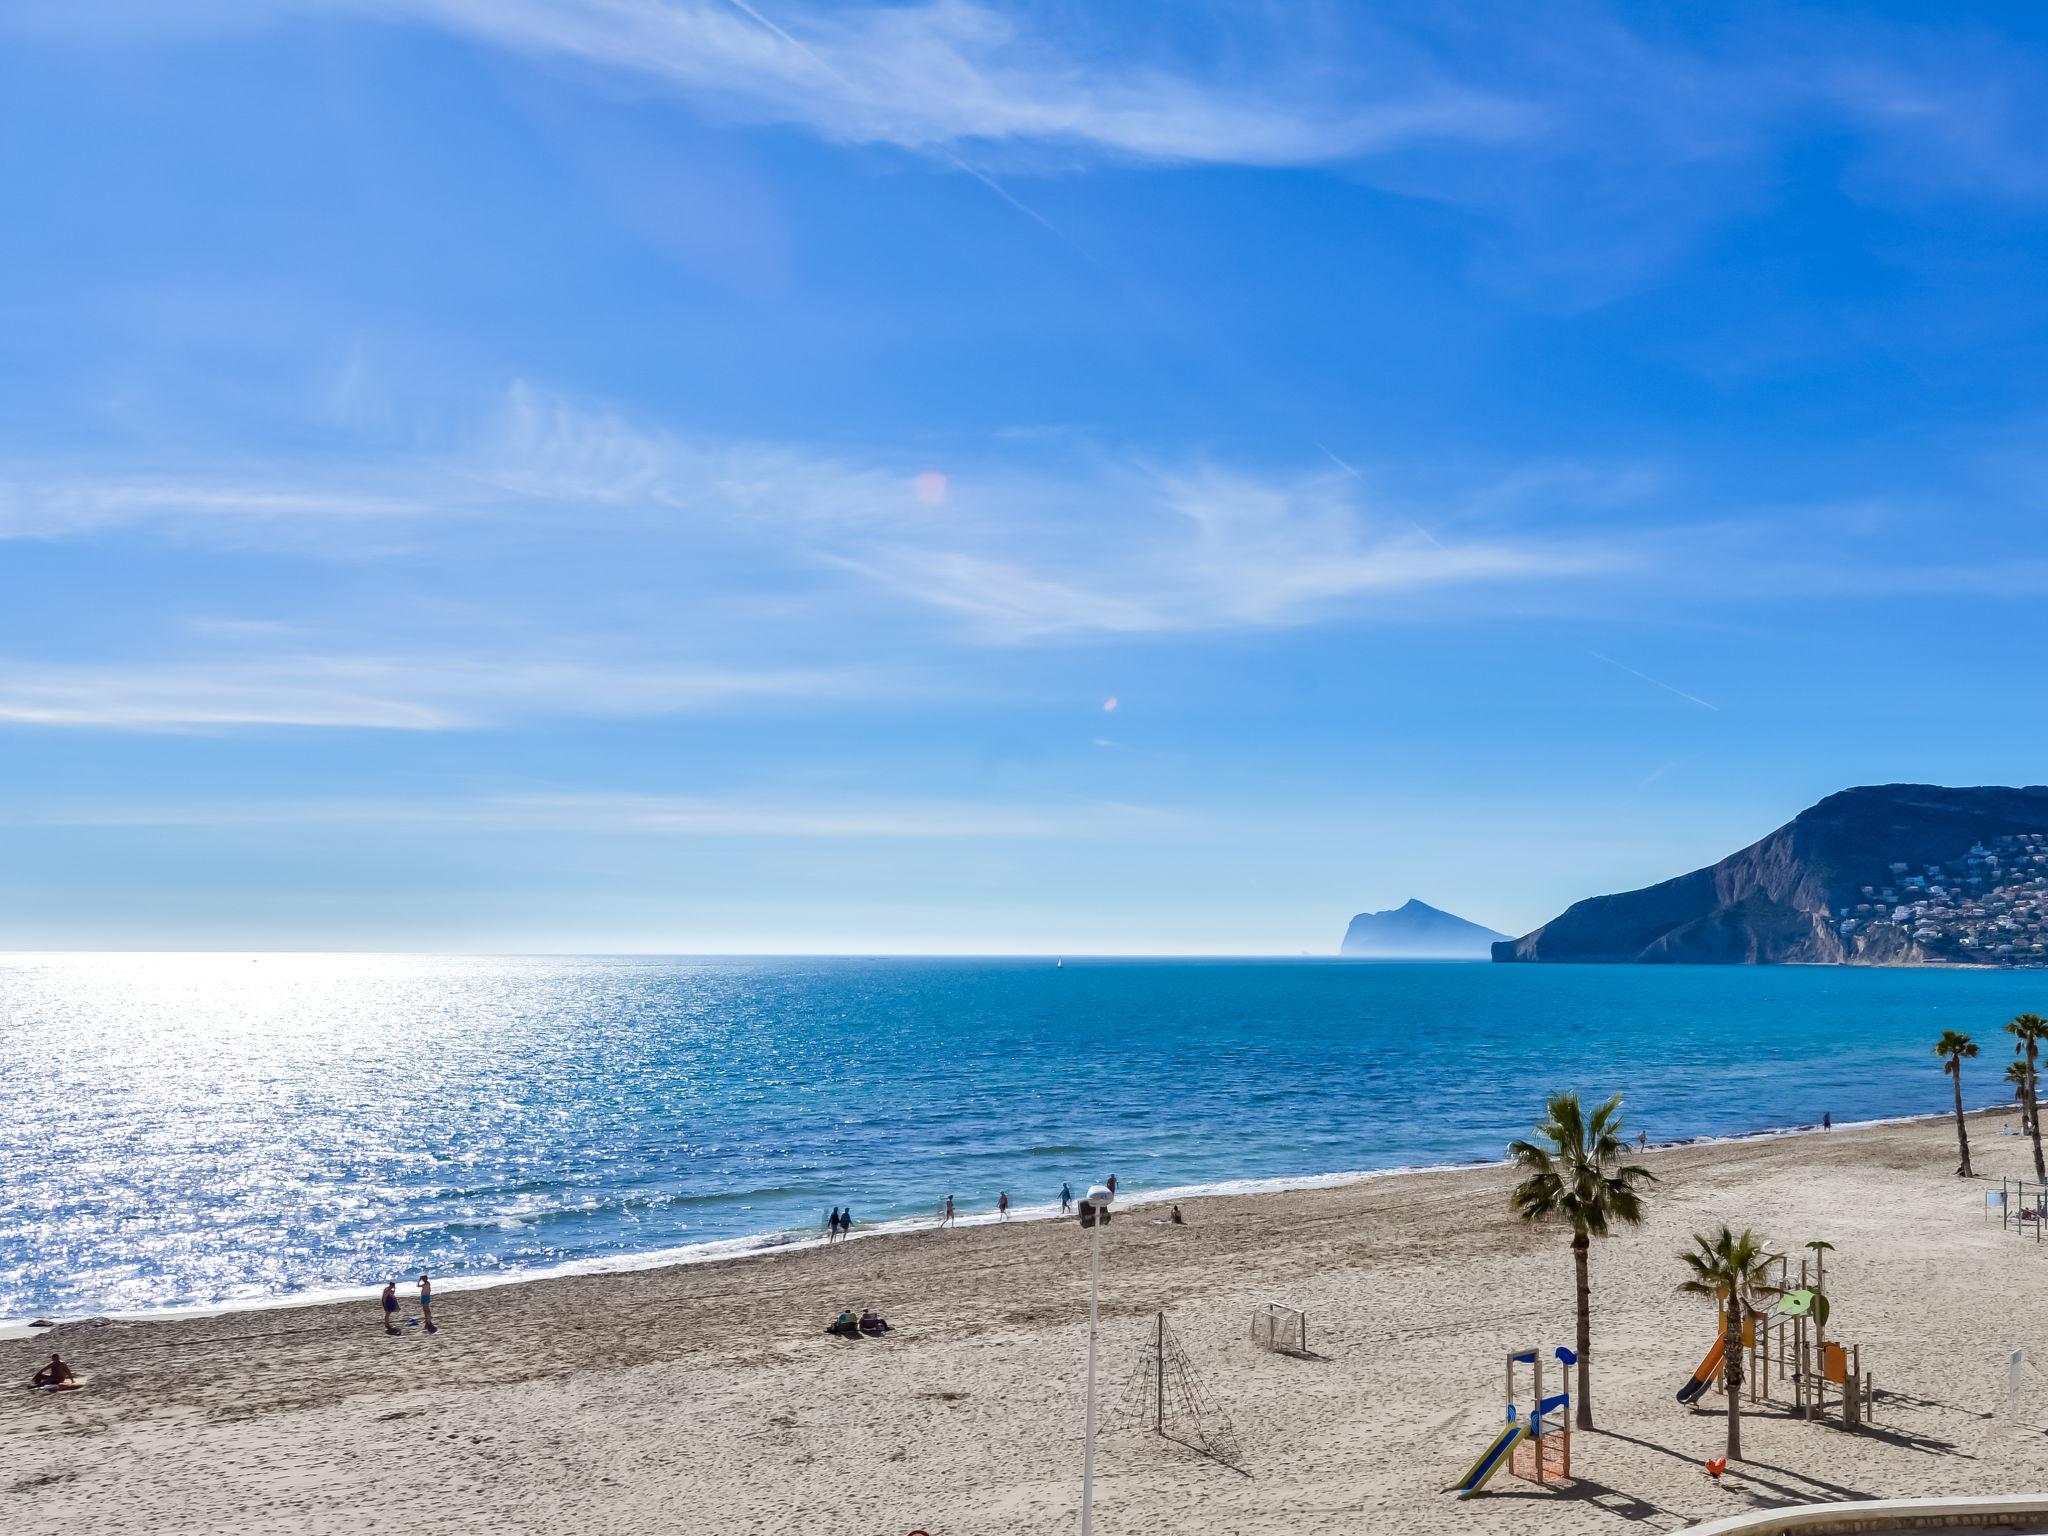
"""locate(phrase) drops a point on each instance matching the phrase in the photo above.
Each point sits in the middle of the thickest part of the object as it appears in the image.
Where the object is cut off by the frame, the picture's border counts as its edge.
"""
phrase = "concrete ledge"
(2005, 1511)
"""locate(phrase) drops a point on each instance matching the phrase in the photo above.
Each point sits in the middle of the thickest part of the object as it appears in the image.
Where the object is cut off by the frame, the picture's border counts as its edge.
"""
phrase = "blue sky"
(661, 475)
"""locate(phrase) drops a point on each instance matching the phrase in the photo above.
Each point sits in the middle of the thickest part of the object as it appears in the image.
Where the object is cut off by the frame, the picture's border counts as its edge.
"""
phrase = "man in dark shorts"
(390, 1299)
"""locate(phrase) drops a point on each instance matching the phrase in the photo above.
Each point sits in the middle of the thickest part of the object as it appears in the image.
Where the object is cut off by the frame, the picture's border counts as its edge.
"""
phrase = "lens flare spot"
(1109, 705)
(930, 488)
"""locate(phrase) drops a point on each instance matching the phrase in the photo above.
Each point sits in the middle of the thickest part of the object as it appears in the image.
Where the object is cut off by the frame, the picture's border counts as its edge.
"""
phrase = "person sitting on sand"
(390, 1300)
(1177, 1218)
(846, 1325)
(55, 1374)
(871, 1321)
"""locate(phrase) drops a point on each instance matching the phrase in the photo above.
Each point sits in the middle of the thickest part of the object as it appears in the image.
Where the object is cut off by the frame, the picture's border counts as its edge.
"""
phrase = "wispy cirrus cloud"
(1305, 85)
(953, 73)
(1575, 91)
(602, 813)
(1015, 548)
(1112, 545)
(392, 692)
(64, 505)
(1204, 549)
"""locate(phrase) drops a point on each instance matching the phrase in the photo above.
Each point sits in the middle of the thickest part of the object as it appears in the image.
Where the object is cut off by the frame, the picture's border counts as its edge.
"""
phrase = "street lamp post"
(1095, 1216)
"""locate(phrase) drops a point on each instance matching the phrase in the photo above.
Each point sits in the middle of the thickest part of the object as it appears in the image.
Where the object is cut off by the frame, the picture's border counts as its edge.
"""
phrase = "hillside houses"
(1988, 907)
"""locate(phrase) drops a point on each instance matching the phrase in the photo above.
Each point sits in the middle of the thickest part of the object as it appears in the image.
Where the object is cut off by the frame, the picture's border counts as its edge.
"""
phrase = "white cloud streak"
(611, 814)
(1015, 555)
(936, 76)
(64, 506)
(1655, 682)
(385, 693)
(1124, 548)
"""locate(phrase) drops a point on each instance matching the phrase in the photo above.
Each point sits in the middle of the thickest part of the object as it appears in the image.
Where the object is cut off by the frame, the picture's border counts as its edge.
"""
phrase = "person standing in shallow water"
(1066, 1197)
(1002, 1205)
(832, 1224)
(1827, 1120)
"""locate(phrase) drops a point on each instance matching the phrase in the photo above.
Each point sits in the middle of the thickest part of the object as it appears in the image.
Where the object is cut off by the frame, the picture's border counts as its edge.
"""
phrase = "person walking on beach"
(427, 1303)
(846, 1221)
(1642, 1140)
(1827, 1120)
(832, 1224)
(390, 1300)
(1003, 1205)
(949, 1212)
(1112, 1183)
(1066, 1197)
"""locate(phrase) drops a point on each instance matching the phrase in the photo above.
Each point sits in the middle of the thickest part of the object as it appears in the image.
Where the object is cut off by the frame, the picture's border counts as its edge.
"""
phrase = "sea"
(202, 1131)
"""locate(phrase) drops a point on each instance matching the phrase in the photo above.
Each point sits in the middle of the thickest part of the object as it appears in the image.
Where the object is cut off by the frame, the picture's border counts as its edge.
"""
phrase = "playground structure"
(1786, 1350)
(2022, 1207)
(1280, 1329)
(1166, 1396)
(1528, 1448)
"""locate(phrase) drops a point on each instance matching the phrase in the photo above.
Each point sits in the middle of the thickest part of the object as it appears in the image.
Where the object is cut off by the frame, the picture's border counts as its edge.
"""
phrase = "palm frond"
(1573, 1171)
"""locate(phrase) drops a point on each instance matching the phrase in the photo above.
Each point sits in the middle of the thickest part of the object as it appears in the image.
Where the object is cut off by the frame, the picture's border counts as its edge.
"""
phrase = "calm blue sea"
(186, 1130)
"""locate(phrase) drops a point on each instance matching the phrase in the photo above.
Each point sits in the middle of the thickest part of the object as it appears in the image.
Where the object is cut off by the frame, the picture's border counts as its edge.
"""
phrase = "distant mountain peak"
(1417, 931)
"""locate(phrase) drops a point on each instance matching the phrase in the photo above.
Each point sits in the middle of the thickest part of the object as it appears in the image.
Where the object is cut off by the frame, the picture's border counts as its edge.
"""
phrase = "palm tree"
(1577, 1178)
(1954, 1049)
(2028, 1031)
(1731, 1269)
(2021, 1076)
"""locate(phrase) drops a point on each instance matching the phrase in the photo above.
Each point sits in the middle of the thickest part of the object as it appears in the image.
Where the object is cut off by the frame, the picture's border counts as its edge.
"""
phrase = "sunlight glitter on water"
(195, 1130)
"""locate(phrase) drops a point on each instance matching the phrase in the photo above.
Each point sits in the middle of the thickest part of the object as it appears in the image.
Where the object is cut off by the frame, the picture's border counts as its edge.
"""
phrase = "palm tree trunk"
(1731, 1376)
(1581, 1246)
(2034, 1113)
(1962, 1127)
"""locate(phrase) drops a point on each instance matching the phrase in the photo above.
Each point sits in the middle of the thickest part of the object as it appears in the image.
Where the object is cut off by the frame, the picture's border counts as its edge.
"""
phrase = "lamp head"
(1095, 1205)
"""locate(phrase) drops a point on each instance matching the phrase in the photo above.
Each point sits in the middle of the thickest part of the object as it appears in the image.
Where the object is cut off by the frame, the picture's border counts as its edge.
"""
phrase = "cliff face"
(1417, 931)
(1782, 900)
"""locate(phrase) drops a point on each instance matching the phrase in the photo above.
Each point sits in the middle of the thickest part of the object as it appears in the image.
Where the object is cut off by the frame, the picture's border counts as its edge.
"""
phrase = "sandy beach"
(709, 1397)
